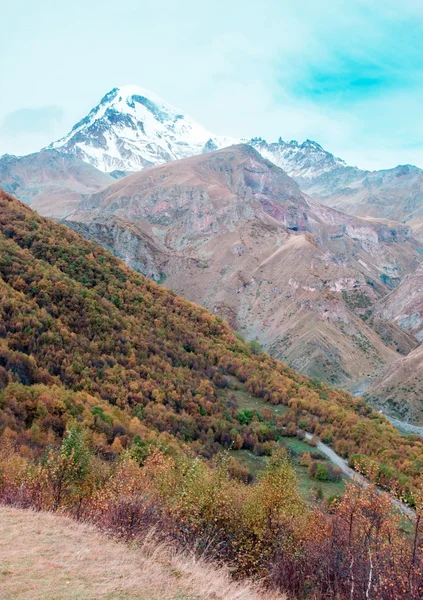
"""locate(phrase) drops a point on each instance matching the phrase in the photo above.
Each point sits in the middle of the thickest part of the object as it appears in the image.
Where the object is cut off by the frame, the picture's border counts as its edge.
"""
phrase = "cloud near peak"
(31, 120)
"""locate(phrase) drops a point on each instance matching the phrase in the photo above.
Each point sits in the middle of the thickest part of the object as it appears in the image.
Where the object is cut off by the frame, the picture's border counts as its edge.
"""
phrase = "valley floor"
(50, 557)
(406, 428)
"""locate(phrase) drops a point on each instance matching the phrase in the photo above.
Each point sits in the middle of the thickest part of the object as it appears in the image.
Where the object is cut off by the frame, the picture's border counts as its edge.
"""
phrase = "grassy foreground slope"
(83, 337)
(50, 557)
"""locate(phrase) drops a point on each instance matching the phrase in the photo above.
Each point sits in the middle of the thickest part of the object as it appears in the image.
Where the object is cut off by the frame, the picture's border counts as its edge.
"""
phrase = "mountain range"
(231, 231)
(317, 260)
(51, 182)
(131, 129)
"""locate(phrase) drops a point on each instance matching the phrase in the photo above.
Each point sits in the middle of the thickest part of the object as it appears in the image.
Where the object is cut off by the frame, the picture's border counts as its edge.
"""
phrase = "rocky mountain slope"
(231, 231)
(404, 305)
(51, 182)
(398, 389)
(396, 193)
(393, 193)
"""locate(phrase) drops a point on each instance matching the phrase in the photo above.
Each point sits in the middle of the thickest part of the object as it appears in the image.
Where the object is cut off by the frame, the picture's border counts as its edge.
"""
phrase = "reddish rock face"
(230, 230)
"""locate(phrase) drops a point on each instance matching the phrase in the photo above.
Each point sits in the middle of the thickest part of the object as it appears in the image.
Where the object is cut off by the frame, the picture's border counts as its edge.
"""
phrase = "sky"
(347, 74)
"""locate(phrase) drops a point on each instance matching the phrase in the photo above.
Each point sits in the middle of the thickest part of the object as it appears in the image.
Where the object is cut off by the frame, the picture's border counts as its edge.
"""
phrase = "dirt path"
(351, 474)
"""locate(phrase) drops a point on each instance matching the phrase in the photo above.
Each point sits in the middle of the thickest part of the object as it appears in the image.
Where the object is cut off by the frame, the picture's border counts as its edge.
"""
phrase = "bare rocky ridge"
(404, 305)
(393, 193)
(230, 230)
(52, 183)
(399, 389)
(396, 194)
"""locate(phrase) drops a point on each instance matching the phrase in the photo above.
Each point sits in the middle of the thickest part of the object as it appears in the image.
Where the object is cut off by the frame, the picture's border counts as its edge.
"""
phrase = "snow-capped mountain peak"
(132, 128)
(305, 161)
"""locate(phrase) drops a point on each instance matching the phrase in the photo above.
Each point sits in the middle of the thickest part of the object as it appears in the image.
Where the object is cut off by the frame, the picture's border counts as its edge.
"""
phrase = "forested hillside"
(111, 386)
(73, 315)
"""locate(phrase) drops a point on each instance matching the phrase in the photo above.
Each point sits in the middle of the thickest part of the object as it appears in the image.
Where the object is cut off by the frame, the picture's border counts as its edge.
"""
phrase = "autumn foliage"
(113, 407)
(354, 548)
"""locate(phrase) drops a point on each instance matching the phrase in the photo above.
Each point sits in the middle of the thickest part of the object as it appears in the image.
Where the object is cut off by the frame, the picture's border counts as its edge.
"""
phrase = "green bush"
(245, 416)
(255, 347)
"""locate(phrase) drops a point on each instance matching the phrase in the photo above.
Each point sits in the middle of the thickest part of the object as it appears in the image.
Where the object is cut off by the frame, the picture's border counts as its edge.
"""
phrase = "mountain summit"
(304, 161)
(132, 128)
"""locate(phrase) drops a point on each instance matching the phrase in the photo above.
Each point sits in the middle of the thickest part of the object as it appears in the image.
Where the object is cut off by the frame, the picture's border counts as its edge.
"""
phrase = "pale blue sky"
(348, 74)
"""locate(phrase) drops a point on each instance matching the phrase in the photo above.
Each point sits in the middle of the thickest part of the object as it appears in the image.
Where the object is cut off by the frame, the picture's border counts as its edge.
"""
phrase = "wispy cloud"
(31, 120)
(357, 52)
(347, 73)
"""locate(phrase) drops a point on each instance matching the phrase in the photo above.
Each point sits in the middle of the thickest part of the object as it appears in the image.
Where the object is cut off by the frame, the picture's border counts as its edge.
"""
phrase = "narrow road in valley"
(404, 427)
(353, 475)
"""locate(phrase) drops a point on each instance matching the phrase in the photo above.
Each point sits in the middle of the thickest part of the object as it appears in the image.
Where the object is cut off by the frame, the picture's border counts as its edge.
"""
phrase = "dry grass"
(50, 557)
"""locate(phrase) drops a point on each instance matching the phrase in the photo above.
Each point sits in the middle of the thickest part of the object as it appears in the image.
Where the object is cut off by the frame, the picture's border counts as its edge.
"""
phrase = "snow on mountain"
(219, 142)
(304, 161)
(132, 128)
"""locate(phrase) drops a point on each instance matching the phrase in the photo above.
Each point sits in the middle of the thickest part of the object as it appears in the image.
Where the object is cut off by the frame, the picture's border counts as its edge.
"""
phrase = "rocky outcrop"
(131, 244)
